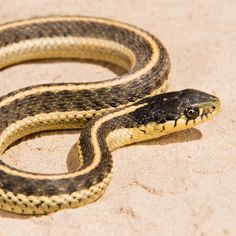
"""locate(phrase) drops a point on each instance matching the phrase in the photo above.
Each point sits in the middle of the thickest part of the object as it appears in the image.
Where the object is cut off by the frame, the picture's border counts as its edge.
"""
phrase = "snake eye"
(191, 113)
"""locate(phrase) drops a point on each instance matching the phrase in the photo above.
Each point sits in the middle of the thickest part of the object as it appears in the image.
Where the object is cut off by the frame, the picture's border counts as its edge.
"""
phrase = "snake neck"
(114, 130)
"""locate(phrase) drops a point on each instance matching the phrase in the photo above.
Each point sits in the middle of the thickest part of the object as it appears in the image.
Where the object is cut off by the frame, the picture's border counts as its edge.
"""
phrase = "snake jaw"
(207, 112)
(211, 108)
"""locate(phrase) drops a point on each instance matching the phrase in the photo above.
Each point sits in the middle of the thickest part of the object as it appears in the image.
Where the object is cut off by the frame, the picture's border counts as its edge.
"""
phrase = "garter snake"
(127, 109)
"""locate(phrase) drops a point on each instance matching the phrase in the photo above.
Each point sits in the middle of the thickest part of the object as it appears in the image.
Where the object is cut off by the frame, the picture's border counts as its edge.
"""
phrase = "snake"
(130, 108)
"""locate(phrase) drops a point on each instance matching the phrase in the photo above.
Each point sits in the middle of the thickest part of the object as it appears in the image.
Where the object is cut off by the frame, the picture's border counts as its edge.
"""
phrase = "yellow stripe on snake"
(124, 110)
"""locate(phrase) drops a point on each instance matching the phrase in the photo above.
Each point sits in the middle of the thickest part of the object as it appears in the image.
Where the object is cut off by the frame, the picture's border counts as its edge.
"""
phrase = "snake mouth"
(212, 108)
(206, 111)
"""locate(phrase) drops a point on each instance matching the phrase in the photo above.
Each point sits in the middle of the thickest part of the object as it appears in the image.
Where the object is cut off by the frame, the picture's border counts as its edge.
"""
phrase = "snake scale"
(127, 109)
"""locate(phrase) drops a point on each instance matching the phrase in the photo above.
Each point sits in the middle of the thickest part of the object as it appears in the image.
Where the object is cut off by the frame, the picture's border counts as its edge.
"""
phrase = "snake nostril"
(213, 107)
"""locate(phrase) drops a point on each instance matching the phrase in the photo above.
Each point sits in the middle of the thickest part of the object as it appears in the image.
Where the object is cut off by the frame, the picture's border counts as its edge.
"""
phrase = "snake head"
(177, 110)
(197, 106)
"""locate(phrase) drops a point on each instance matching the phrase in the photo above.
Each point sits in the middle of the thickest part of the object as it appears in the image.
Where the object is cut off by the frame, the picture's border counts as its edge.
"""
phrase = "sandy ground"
(183, 184)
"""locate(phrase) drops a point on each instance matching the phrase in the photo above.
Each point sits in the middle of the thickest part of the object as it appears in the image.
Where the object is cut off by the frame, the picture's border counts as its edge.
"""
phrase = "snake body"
(127, 109)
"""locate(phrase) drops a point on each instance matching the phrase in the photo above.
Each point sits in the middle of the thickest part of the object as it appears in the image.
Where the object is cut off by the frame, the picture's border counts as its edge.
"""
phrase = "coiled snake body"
(128, 108)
